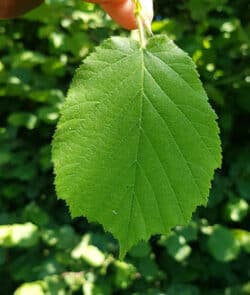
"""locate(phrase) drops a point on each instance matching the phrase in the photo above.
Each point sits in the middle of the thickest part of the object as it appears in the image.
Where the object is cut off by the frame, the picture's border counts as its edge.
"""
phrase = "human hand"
(14, 8)
(122, 11)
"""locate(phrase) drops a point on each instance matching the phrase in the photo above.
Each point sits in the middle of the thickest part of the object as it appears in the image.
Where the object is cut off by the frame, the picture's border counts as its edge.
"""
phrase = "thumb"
(122, 11)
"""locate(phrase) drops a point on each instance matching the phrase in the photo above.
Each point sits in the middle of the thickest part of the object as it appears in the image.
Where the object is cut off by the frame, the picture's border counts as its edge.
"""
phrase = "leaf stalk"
(142, 23)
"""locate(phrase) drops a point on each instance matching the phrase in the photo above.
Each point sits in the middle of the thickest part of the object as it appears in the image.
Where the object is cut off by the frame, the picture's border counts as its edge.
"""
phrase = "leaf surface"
(137, 143)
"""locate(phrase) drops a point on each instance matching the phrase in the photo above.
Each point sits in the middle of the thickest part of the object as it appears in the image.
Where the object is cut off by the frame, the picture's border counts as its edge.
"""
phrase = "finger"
(122, 11)
(14, 8)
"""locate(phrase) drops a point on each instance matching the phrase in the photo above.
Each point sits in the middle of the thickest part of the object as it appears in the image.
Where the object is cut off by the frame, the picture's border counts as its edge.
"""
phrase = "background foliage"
(44, 251)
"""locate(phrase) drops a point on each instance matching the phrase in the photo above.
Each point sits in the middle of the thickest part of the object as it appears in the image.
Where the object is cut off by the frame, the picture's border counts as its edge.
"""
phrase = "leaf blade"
(108, 154)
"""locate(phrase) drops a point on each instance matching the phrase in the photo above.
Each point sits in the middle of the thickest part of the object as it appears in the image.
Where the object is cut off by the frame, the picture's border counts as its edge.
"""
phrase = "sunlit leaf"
(137, 144)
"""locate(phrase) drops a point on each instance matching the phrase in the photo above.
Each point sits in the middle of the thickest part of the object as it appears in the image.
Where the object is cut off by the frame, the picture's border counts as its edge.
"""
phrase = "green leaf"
(23, 120)
(223, 245)
(19, 235)
(236, 210)
(243, 238)
(124, 274)
(183, 289)
(89, 253)
(35, 288)
(137, 143)
(142, 249)
(177, 247)
(148, 269)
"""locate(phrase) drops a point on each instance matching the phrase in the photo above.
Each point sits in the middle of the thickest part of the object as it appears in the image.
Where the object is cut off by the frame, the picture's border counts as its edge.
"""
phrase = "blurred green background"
(44, 251)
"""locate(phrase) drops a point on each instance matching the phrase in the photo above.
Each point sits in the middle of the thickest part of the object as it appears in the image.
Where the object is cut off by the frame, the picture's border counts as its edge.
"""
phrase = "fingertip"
(122, 12)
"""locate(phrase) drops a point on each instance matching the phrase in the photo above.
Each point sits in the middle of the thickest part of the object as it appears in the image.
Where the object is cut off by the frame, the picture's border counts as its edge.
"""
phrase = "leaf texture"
(137, 142)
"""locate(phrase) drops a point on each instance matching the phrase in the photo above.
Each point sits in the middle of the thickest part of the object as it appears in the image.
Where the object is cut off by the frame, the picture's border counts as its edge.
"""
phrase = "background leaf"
(37, 86)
